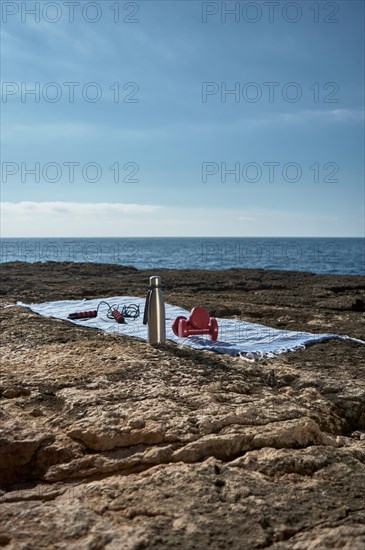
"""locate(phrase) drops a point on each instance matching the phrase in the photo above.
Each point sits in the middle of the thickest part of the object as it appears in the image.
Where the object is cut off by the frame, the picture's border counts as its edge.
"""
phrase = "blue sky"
(172, 141)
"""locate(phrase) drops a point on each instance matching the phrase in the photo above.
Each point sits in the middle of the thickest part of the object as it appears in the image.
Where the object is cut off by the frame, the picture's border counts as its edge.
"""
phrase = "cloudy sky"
(182, 118)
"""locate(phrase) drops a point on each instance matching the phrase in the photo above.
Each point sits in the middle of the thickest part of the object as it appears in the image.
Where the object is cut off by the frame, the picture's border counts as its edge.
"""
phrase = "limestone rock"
(106, 442)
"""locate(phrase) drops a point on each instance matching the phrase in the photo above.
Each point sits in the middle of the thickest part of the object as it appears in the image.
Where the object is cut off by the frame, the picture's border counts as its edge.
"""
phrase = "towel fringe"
(255, 356)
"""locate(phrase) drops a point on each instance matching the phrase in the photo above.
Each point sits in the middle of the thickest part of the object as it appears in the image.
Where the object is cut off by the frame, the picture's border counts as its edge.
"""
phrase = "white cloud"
(76, 209)
(331, 115)
(68, 130)
(69, 219)
(308, 116)
(246, 219)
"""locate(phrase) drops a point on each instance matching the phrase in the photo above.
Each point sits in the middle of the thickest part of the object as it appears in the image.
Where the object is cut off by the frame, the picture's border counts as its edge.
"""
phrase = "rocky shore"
(106, 442)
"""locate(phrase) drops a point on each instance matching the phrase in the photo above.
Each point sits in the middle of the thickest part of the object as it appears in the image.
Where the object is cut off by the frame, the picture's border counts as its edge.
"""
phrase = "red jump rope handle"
(118, 316)
(83, 314)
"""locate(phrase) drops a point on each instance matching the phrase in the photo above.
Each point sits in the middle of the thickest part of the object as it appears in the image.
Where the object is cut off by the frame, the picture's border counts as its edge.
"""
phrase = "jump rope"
(115, 312)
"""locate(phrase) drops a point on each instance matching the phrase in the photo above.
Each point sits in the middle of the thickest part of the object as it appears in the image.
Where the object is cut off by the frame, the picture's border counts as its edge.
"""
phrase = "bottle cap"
(155, 281)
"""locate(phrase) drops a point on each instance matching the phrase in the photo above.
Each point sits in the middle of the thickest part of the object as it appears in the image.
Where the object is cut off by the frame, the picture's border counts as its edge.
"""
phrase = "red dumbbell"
(198, 322)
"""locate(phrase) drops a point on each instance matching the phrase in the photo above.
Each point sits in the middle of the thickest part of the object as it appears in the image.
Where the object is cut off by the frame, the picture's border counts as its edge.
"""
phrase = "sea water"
(318, 255)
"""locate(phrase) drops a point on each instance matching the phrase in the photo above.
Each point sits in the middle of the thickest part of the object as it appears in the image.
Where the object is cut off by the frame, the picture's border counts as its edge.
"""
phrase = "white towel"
(249, 341)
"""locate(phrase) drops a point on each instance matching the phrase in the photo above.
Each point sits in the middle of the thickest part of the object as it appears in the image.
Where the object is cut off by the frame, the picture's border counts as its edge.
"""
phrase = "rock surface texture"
(106, 442)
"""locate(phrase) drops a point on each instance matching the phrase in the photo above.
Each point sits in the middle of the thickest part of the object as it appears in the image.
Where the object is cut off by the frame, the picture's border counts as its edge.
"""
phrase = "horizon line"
(194, 237)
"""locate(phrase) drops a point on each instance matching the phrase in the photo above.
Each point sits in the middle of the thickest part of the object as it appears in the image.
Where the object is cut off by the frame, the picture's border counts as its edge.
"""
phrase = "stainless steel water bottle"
(154, 312)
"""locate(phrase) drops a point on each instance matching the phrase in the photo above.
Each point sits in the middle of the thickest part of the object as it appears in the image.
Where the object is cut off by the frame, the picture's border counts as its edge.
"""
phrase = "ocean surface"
(318, 255)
